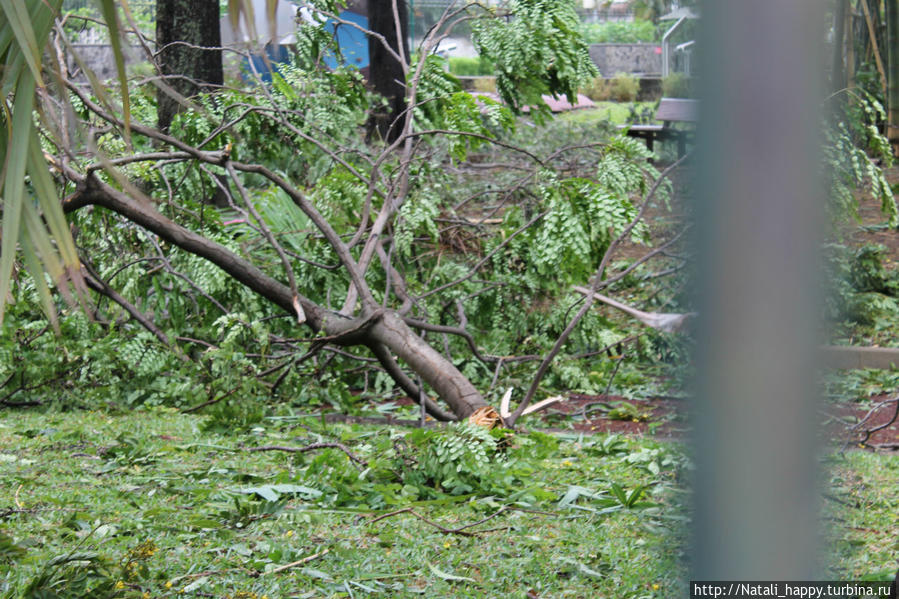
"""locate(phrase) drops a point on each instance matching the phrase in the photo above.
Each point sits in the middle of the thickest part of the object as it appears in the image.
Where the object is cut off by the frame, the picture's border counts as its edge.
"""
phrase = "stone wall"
(99, 59)
(637, 59)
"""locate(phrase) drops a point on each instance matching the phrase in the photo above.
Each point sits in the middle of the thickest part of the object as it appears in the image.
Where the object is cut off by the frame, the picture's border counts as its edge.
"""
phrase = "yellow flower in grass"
(119, 585)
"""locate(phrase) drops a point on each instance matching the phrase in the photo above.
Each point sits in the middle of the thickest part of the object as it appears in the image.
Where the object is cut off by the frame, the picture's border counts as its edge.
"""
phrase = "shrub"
(677, 85)
(617, 32)
(597, 90)
(624, 87)
(485, 85)
(462, 66)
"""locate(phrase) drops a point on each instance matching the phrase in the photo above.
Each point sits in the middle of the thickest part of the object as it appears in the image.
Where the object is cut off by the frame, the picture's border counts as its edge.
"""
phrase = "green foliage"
(76, 575)
(233, 354)
(584, 214)
(624, 87)
(860, 500)
(860, 385)
(445, 106)
(867, 273)
(207, 517)
(88, 364)
(538, 52)
(463, 66)
(460, 459)
(619, 32)
(678, 85)
(849, 165)
(863, 291)
(597, 89)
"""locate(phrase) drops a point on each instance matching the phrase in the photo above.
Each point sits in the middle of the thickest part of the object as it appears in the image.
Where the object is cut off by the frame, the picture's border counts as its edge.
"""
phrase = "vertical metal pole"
(758, 204)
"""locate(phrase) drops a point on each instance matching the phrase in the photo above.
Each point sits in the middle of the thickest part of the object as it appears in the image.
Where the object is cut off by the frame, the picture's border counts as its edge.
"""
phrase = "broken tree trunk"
(383, 331)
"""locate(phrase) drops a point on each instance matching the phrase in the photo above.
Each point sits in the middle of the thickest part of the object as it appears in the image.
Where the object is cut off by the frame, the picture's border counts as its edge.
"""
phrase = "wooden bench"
(670, 111)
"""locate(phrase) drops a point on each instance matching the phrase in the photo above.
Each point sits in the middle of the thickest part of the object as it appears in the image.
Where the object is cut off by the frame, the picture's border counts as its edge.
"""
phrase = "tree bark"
(434, 369)
(387, 74)
(189, 69)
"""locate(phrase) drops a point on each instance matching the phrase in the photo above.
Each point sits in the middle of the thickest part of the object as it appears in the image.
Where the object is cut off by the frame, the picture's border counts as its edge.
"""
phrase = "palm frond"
(32, 218)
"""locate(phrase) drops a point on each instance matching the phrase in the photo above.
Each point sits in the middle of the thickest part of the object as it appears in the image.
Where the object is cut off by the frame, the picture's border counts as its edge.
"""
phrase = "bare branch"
(596, 284)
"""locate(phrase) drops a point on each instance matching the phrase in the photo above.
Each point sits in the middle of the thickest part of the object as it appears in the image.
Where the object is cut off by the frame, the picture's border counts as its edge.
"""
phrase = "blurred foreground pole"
(757, 208)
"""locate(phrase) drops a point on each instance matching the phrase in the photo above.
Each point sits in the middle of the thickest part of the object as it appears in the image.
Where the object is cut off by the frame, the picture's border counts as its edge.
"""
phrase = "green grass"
(152, 504)
(158, 504)
(863, 508)
(617, 113)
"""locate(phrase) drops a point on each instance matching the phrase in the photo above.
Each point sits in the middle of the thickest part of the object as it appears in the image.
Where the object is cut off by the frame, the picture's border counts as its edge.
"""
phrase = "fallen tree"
(365, 243)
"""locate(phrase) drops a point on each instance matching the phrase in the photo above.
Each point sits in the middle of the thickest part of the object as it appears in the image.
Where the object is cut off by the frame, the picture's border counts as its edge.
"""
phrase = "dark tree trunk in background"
(190, 70)
(386, 72)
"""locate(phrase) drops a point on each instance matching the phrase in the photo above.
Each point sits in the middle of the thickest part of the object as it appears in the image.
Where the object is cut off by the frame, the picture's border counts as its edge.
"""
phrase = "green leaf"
(582, 569)
(19, 21)
(34, 266)
(446, 576)
(635, 495)
(14, 180)
(274, 492)
(619, 493)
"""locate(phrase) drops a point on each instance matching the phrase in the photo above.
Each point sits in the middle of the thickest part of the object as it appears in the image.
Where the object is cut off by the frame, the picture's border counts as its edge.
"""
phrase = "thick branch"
(406, 383)
(373, 330)
(93, 191)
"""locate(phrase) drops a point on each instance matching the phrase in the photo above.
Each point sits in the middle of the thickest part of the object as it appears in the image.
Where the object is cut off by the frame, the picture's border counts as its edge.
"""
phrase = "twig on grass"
(409, 510)
(210, 401)
(461, 530)
(300, 562)
(312, 447)
(868, 432)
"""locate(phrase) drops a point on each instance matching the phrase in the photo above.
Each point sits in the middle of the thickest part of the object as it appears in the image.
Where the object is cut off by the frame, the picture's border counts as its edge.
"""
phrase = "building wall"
(638, 59)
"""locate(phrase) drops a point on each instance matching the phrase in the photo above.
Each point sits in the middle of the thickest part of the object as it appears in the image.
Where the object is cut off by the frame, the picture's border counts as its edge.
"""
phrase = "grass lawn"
(159, 504)
(862, 508)
(617, 113)
(154, 504)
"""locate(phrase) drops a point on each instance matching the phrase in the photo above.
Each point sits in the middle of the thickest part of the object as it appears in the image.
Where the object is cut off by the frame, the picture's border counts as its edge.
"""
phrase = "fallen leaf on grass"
(445, 576)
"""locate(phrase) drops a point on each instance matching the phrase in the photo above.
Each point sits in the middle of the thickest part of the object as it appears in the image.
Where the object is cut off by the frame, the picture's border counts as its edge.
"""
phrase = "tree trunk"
(892, 18)
(386, 74)
(434, 369)
(189, 69)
